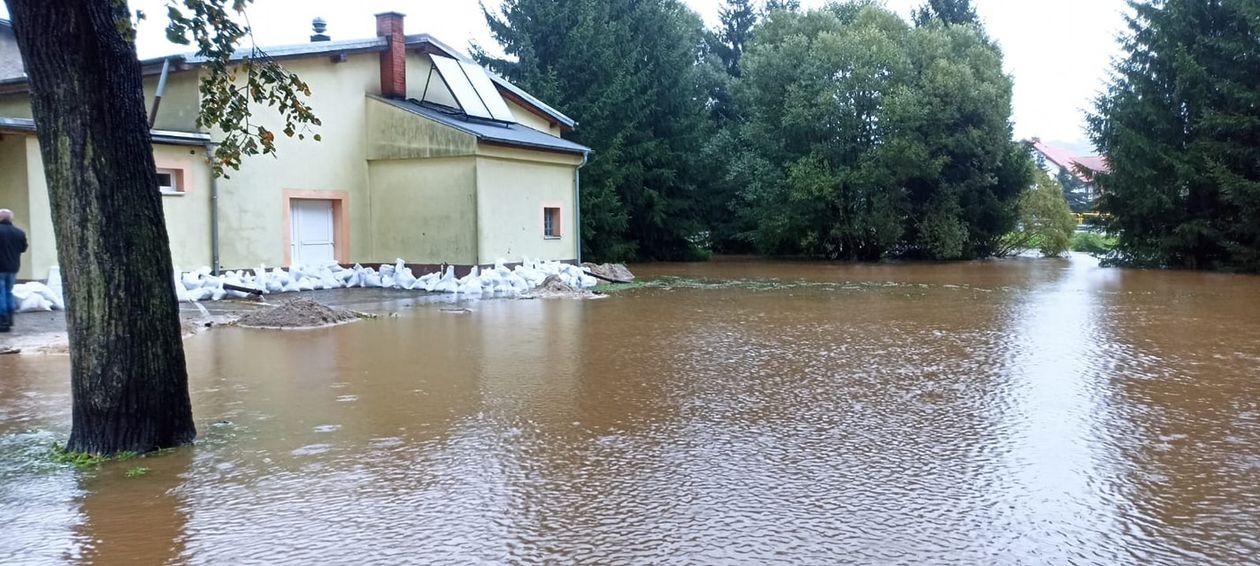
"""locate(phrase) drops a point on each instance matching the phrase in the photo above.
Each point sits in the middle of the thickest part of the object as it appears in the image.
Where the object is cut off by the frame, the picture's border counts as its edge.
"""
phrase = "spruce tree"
(1180, 125)
(949, 12)
(627, 72)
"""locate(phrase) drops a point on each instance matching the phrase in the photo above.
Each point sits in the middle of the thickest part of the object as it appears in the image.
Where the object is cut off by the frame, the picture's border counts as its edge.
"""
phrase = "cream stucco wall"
(425, 210)
(39, 228)
(394, 133)
(527, 118)
(513, 187)
(15, 105)
(187, 214)
(24, 190)
(178, 110)
(252, 202)
(13, 186)
(180, 102)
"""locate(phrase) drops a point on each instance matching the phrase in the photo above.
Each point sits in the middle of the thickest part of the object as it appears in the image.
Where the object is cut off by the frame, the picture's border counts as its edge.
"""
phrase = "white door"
(313, 235)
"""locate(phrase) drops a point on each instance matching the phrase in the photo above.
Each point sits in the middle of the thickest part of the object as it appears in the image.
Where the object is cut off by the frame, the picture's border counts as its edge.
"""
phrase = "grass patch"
(606, 288)
(1093, 243)
(84, 461)
(137, 472)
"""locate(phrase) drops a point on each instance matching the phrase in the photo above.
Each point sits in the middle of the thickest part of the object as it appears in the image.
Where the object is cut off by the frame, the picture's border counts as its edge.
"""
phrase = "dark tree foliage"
(782, 5)
(949, 12)
(728, 42)
(629, 71)
(726, 46)
(864, 137)
(1076, 192)
(1180, 125)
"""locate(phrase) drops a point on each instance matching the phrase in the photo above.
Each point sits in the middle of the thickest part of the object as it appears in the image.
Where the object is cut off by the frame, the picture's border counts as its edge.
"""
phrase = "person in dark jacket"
(12, 245)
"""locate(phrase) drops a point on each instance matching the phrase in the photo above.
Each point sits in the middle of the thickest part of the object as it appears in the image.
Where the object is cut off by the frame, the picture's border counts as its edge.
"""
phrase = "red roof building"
(1082, 167)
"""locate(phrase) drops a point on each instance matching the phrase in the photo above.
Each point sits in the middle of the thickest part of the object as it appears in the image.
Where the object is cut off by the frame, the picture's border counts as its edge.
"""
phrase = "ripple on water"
(1002, 412)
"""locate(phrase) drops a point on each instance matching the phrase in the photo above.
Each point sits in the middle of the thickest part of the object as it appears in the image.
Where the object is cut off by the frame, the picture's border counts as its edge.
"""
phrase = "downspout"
(577, 204)
(157, 94)
(214, 213)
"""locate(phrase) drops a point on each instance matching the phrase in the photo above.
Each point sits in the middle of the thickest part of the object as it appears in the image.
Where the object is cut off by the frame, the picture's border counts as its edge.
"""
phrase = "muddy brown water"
(1025, 411)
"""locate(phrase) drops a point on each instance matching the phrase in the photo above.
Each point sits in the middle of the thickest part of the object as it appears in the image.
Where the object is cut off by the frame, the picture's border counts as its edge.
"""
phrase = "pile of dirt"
(613, 271)
(553, 288)
(297, 313)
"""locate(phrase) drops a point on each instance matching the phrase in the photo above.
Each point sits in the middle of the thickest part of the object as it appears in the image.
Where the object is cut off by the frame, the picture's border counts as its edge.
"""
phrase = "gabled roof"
(422, 41)
(503, 133)
(171, 137)
(1081, 167)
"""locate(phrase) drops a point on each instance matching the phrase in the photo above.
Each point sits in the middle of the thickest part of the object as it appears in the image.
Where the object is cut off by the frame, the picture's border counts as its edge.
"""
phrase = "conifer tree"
(949, 12)
(1180, 125)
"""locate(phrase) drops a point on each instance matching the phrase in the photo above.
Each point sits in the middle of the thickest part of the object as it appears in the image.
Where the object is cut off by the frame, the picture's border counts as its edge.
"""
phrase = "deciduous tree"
(129, 382)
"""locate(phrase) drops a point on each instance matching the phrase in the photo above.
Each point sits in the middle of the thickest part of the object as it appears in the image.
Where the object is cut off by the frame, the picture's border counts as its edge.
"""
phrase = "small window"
(551, 223)
(170, 181)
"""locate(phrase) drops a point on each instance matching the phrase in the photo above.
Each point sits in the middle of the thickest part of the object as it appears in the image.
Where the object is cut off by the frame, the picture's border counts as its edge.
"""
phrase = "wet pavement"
(1010, 412)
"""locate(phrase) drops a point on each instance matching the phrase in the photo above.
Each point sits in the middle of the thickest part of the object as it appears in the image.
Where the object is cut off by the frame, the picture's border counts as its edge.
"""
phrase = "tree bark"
(129, 381)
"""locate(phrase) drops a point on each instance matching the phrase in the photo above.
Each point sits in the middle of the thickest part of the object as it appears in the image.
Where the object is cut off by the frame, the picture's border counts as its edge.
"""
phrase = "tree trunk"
(129, 382)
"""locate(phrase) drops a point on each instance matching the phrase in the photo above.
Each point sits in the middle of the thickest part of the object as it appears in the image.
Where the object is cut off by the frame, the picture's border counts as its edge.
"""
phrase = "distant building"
(1079, 170)
(425, 156)
(1075, 173)
(10, 59)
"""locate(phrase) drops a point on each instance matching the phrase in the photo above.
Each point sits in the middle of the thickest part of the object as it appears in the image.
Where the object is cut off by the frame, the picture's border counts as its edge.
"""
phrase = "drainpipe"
(214, 213)
(157, 94)
(577, 204)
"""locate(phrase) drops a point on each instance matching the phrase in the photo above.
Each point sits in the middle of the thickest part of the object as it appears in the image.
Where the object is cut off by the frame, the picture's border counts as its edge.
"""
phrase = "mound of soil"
(297, 313)
(552, 287)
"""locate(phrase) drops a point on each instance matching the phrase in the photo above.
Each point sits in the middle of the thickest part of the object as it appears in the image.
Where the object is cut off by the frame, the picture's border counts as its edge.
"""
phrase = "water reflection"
(738, 412)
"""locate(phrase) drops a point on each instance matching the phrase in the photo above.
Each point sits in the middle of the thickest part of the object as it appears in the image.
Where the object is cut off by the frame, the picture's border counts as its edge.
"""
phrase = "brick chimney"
(389, 25)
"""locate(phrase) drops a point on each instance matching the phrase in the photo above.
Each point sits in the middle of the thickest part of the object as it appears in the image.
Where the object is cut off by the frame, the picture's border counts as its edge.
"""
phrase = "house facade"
(424, 156)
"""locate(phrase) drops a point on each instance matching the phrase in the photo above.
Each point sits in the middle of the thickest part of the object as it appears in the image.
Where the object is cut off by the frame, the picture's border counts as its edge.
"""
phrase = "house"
(425, 156)
(10, 59)
(1077, 171)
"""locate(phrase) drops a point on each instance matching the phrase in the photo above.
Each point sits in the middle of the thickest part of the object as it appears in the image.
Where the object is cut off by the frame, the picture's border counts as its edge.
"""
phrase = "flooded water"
(1035, 412)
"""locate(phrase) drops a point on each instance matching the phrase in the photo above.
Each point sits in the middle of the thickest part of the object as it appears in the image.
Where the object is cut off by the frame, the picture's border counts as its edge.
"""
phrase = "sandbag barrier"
(201, 285)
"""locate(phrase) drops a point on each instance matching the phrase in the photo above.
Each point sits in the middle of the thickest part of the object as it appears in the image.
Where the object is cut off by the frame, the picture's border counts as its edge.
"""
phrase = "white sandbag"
(199, 294)
(218, 294)
(281, 277)
(53, 297)
(181, 293)
(54, 280)
(405, 280)
(261, 280)
(471, 286)
(33, 303)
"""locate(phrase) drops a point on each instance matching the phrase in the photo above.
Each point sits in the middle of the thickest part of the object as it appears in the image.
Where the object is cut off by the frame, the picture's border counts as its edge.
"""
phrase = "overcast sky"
(1058, 51)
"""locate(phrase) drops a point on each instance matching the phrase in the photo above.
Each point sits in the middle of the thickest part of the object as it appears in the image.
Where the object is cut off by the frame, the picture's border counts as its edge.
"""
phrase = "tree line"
(847, 132)
(844, 132)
